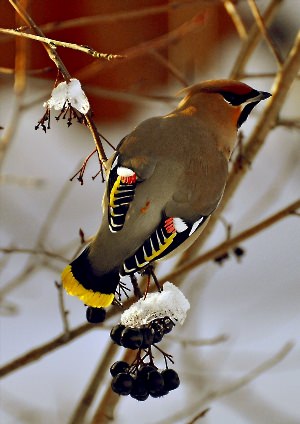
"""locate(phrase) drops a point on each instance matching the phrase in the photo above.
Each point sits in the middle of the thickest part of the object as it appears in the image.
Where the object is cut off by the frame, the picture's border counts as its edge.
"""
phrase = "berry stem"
(166, 356)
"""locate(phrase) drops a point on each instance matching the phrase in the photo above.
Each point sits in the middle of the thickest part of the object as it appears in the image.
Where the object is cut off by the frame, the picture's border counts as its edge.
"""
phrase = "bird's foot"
(149, 271)
(136, 290)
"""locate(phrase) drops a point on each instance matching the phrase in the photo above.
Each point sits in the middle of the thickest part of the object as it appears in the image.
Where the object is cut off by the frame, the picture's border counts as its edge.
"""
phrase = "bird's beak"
(263, 95)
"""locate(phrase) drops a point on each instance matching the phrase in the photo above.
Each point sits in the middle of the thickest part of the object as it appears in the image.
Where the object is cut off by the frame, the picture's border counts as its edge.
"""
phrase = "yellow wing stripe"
(114, 191)
(89, 297)
(163, 247)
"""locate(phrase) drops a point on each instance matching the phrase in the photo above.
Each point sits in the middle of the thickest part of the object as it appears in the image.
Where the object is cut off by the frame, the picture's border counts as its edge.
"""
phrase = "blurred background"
(253, 300)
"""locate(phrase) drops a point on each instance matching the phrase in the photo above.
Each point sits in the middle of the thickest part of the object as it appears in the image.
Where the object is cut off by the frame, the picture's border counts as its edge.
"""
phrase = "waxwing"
(164, 181)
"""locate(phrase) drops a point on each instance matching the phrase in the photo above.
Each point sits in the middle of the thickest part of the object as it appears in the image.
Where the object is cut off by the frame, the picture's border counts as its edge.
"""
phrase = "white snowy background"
(254, 302)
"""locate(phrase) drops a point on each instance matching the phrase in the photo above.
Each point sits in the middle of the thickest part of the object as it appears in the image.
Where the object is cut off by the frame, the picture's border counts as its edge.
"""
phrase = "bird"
(164, 181)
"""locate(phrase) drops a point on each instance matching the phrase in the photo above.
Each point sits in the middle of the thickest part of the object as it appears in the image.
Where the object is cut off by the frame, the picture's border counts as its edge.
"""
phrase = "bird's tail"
(79, 279)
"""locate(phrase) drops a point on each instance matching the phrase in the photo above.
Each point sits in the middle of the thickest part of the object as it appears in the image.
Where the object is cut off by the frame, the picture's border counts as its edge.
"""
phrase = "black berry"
(158, 331)
(118, 367)
(155, 382)
(122, 384)
(159, 393)
(148, 336)
(131, 338)
(144, 371)
(239, 251)
(168, 325)
(139, 390)
(116, 333)
(220, 259)
(171, 379)
(95, 315)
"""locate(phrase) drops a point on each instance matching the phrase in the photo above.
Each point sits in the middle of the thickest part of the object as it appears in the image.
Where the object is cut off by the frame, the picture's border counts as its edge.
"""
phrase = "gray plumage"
(164, 181)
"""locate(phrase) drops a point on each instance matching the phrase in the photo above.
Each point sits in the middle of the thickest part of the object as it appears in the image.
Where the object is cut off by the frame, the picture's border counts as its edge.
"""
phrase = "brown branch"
(262, 27)
(56, 43)
(96, 137)
(288, 123)
(258, 75)
(59, 341)
(128, 96)
(267, 121)
(236, 18)
(21, 250)
(250, 44)
(31, 72)
(170, 67)
(63, 312)
(96, 381)
(200, 342)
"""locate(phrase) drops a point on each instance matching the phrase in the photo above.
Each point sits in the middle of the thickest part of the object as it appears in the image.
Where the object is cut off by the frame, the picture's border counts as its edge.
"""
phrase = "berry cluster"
(143, 336)
(141, 379)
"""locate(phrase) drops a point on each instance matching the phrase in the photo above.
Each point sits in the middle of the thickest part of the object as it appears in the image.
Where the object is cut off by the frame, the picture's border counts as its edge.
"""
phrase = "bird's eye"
(231, 98)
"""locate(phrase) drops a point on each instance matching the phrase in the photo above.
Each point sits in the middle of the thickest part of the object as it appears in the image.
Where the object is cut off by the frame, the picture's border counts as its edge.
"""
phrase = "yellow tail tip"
(91, 298)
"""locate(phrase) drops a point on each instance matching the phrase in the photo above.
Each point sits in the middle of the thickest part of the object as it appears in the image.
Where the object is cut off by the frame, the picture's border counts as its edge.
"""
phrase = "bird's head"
(223, 97)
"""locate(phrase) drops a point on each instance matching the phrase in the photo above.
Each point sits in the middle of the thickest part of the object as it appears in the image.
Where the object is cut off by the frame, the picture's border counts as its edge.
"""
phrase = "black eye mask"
(238, 99)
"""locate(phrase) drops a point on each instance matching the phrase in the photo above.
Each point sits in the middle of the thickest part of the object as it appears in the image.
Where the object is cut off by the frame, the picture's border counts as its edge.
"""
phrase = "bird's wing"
(120, 191)
(171, 233)
(124, 176)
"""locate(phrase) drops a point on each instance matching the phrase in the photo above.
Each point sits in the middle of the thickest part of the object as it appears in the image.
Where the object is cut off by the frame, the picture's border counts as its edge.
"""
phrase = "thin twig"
(288, 123)
(250, 44)
(9, 250)
(258, 75)
(31, 72)
(261, 25)
(200, 342)
(236, 18)
(170, 67)
(63, 312)
(56, 43)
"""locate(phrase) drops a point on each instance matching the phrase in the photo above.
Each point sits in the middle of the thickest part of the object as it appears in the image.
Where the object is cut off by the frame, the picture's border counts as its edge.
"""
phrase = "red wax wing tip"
(129, 180)
(169, 225)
